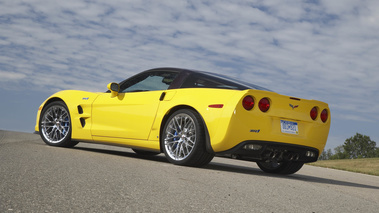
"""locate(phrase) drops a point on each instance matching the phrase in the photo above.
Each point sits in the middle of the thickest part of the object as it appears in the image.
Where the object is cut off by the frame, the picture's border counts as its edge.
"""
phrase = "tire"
(146, 153)
(284, 168)
(183, 139)
(55, 125)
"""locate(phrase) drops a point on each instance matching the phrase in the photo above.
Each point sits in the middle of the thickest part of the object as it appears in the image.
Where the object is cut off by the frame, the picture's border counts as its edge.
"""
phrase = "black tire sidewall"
(286, 168)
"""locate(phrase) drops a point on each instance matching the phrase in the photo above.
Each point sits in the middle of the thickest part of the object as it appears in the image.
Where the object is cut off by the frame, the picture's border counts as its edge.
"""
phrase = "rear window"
(210, 80)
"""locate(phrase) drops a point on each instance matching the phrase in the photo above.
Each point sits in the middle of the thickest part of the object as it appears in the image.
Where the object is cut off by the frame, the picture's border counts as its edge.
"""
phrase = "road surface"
(35, 177)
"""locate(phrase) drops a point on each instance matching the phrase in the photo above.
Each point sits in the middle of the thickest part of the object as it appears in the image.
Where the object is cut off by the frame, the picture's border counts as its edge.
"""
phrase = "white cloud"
(9, 76)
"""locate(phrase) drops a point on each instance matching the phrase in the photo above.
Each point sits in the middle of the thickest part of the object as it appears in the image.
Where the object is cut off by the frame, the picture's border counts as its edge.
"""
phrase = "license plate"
(289, 127)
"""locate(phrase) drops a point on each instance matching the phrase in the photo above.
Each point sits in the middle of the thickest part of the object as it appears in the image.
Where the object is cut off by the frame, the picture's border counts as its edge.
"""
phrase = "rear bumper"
(265, 150)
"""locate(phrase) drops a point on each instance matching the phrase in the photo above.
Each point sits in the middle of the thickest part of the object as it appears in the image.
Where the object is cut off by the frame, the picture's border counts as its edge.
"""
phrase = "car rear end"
(265, 125)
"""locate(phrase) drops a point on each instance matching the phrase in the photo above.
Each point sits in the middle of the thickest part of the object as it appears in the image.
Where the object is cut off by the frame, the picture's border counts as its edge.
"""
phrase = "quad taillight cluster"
(264, 105)
(323, 115)
(248, 103)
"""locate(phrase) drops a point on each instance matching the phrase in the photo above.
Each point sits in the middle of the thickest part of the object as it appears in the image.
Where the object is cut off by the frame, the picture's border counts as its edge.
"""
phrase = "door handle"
(162, 96)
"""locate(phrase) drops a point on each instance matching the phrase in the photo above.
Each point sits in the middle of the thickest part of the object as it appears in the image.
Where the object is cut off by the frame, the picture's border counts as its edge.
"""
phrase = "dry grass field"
(366, 166)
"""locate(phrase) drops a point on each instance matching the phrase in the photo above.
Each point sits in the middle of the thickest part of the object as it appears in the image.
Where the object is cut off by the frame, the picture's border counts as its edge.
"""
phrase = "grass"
(368, 166)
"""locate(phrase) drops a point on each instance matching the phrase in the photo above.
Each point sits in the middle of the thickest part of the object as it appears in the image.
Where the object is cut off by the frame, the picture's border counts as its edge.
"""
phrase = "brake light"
(324, 115)
(264, 104)
(314, 113)
(248, 102)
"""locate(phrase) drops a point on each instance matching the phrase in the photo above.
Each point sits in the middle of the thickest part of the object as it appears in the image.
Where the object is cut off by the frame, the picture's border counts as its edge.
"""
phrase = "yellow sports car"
(191, 116)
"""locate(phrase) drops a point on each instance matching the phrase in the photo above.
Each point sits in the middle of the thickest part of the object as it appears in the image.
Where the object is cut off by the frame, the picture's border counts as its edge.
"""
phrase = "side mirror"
(114, 88)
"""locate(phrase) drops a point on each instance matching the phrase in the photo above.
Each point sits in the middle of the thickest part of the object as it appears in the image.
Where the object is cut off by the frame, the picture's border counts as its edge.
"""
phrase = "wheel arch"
(52, 100)
(47, 102)
(179, 107)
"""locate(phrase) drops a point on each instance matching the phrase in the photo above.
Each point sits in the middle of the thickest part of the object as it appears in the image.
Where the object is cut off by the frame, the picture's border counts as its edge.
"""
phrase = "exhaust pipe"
(292, 157)
(296, 157)
(278, 155)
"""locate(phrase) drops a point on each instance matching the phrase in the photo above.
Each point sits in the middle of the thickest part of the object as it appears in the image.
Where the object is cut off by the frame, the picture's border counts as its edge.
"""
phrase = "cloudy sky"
(315, 49)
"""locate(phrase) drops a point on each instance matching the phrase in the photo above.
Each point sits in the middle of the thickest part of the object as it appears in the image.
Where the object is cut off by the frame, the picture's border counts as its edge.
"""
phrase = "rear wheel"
(183, 139)
(284, 168)
(55, 125)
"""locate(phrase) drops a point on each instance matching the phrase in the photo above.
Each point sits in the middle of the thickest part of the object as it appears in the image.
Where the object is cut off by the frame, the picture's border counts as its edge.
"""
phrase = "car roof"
(184, 73)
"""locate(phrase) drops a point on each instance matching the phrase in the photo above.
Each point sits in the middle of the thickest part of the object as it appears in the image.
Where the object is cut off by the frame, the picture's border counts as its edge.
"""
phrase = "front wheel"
(55, 125)
(284, 168)
(183, 139)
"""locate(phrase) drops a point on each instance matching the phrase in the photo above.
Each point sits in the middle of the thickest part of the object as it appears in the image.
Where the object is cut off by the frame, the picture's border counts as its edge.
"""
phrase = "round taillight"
(264, 104)
(324, 115)
(314, 113)
(248, 102)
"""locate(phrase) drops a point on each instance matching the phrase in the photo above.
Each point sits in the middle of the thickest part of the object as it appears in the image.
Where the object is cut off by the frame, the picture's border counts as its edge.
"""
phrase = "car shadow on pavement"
(232, 168)
(332, 181)
(300, 177)
(131, 154)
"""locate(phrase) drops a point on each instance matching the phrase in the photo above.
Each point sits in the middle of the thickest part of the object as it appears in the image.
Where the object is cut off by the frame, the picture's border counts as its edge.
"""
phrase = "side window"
(205, 81)
(151, 81)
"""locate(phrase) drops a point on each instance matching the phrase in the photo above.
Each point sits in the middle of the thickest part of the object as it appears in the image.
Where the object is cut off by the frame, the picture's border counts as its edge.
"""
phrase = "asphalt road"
(35, 177)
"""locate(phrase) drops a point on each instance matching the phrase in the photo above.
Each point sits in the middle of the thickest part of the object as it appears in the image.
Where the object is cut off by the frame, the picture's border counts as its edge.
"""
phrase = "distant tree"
(339, 153)
(329, 154)
(359, 146)
(323, 155)
(326, 155)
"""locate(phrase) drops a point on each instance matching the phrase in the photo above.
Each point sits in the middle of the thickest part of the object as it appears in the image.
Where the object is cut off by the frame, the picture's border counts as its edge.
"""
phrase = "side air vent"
(82, 122)
(80, 110)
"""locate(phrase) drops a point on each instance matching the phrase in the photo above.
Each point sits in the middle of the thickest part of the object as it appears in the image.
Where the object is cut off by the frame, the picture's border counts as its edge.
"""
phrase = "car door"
(132, 112)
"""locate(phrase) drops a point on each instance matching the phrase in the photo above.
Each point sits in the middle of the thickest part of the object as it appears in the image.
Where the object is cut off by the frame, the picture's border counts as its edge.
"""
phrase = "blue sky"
(316, 49)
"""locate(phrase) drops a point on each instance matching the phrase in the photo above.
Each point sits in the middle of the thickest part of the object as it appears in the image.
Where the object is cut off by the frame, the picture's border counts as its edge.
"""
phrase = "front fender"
(79, 104)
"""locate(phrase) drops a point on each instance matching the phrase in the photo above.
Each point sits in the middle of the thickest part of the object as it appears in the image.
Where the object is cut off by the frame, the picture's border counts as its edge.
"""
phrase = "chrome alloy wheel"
(55, 124)
(180, 137)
